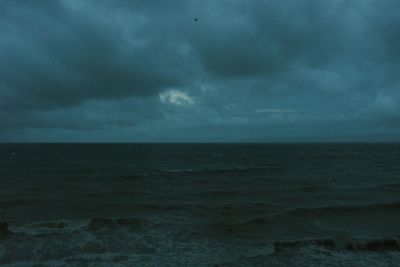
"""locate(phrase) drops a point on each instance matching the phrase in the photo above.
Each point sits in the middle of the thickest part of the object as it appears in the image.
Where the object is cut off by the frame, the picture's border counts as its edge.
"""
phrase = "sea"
(211, 205)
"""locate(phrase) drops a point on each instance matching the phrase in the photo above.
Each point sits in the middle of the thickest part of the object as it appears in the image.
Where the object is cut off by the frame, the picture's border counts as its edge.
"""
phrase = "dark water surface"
(200, 204)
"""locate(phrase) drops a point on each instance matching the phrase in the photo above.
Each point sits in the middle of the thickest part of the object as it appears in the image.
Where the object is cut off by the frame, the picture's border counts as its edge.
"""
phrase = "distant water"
(200, 204)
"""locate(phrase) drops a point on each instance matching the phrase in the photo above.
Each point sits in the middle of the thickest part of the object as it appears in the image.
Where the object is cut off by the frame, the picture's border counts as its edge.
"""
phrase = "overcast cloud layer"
(212, 71)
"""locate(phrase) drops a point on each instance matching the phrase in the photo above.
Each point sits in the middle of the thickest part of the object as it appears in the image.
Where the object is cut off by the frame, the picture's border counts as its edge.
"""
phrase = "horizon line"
(208, 142)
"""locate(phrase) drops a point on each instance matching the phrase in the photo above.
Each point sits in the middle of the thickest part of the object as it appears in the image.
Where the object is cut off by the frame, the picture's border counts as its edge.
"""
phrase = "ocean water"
(200, 204)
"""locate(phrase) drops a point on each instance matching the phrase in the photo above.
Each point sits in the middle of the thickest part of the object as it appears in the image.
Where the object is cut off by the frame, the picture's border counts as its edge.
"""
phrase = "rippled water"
(200, 204)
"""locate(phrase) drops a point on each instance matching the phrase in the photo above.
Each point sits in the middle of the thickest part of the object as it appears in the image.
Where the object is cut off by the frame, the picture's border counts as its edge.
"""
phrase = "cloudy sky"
(199, 71)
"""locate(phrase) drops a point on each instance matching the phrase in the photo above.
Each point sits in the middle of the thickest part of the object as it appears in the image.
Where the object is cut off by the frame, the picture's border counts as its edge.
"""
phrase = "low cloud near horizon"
(199, 71)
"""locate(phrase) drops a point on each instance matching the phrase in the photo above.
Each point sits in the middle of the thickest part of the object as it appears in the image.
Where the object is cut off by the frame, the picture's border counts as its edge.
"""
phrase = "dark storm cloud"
(56, 56)
(244, 70)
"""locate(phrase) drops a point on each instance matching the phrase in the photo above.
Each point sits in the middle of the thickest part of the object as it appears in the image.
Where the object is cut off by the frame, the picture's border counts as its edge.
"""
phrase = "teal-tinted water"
(199, 204)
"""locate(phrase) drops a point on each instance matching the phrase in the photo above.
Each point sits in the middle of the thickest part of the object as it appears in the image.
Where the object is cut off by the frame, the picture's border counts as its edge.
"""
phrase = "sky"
(199, 71)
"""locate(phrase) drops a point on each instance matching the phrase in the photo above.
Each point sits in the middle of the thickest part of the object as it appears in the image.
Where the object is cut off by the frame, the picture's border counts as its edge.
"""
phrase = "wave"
(184, 171)
(20, 202)
(355, 244)
(12, 203)
(119, 193)
(221, 193)
(241, 229)
(67, 226)
(312, 188)
(177, 170)
(391, 187)
(266, 225)
(137, 241)
(380, 207)
(219, 171)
